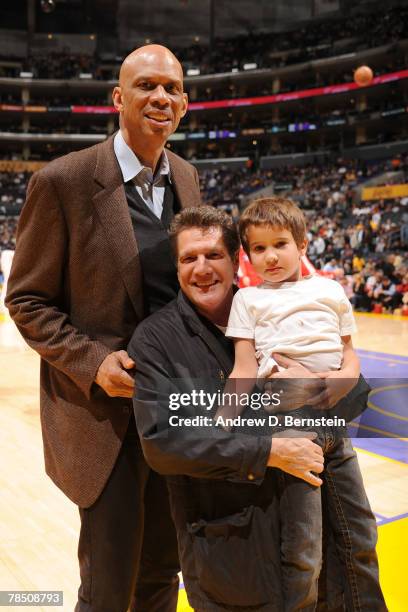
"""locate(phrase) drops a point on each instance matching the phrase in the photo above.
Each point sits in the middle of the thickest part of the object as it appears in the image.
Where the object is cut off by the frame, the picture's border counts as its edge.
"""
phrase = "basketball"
(363, 76)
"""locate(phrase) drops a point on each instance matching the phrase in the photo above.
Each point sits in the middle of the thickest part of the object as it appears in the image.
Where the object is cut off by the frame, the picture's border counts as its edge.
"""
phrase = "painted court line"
(389, 359)
(394, 414)
(374, 454)
(393, 519)
(368, 353)
(380, 432)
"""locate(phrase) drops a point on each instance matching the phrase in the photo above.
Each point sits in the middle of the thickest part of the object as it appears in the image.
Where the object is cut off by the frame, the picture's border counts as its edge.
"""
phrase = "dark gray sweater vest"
(160, 284)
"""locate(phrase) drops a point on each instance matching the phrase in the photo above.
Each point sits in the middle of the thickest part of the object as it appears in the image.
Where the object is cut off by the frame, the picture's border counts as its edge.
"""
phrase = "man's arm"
(205, 452)
(346, 386)
(340, 382)
(242, 378)
(36, 290)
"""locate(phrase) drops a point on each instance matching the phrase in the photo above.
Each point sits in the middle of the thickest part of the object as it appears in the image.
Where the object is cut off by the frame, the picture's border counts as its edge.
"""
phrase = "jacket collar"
(209, 333)
(112, 209)
(181, 181)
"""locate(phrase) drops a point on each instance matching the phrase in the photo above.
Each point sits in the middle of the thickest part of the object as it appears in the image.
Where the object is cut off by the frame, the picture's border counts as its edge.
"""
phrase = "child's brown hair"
(275, 212)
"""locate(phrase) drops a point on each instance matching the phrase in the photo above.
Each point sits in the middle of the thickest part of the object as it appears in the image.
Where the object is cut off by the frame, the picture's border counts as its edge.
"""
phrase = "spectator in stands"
(404, 230)
(385, 294)
(358, 262)
(8, 233)
(388, 267)
(331, 266)
(319, 245)
(402, 290)
(360, 298)
(374, 280)
(346, 281)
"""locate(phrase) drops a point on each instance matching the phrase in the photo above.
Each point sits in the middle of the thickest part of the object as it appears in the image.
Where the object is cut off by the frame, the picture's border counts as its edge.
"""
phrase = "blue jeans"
(300, 542)
(349, 580)
(352, 532)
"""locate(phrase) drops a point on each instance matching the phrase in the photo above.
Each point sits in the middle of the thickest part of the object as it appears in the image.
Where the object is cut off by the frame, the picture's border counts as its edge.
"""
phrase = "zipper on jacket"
(221, 372)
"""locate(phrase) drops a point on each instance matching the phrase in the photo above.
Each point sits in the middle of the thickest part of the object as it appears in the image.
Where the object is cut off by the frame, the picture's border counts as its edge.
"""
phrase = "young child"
(310, 320)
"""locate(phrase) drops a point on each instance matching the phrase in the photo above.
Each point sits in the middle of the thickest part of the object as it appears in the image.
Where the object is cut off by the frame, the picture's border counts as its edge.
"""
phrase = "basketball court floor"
(39, 526)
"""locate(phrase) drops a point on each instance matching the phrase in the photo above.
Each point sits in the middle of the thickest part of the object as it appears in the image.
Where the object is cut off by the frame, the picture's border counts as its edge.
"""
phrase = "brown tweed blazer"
(75, 295)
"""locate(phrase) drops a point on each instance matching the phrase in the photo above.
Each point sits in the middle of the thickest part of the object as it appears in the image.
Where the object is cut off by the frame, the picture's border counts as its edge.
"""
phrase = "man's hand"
(337, 386)
(298, 456)
(112, 375)
(339, 383)
(293, 369)
(297, 382)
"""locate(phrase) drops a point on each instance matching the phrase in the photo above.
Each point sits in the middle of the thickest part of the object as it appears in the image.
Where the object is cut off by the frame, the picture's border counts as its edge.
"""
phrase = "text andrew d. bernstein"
(270, 421)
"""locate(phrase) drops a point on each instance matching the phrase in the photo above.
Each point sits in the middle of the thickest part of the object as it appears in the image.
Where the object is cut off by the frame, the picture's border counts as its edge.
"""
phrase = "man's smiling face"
(150, 95)
(206, 271)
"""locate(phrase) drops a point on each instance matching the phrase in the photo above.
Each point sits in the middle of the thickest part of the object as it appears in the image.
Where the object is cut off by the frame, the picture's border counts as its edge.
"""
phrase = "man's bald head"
(147, 56)
(150, 100)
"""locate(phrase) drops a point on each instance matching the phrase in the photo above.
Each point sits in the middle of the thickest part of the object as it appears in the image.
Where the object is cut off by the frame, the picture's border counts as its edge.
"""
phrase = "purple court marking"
(382, 365)
(392, 519)
(387, 447)
(385, 416)
(380, 516)
(380, 354)
(375, 364)
(396, 398)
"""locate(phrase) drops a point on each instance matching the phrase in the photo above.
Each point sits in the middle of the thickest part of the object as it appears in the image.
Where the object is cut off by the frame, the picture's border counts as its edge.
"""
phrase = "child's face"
(274, 253)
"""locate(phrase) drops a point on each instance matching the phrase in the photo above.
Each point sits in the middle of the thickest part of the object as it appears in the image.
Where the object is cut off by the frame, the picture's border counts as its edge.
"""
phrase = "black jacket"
(223, 498)
(225, 485)
(177, 351)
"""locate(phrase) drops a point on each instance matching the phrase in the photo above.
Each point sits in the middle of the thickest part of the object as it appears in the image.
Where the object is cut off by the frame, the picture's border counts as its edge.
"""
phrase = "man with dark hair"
(185, 339)
(224, 499)
(182, 342)
(206, 218)
(101, 216)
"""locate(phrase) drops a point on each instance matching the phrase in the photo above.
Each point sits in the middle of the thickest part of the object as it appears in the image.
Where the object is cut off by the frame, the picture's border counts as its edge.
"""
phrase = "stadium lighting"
(47, 6)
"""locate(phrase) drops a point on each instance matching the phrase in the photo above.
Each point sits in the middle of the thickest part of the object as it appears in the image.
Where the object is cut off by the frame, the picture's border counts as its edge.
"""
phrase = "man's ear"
(117, 99)
(185, 104)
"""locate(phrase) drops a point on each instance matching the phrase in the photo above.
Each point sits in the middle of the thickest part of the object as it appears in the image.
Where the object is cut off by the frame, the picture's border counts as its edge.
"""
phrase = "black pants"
(127, 547)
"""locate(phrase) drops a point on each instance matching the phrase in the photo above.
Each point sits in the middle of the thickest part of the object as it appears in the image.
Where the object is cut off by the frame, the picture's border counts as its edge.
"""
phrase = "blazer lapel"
(112, 209)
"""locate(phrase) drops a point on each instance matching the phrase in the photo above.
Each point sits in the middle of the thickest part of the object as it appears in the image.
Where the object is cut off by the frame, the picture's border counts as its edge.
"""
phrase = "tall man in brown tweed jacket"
(92, 260)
